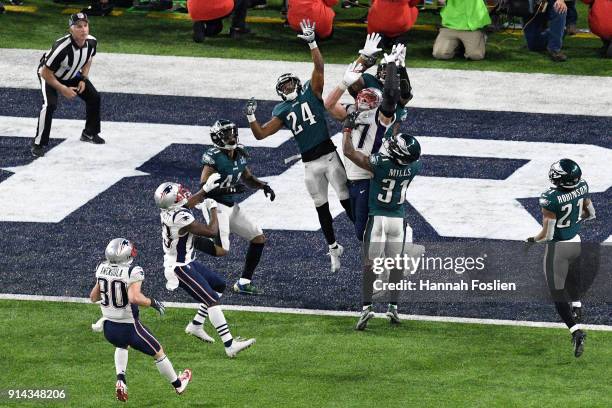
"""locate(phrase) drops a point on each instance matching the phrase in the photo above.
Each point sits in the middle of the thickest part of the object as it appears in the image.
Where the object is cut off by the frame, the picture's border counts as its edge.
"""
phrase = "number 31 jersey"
(114, 281)
(389, 185)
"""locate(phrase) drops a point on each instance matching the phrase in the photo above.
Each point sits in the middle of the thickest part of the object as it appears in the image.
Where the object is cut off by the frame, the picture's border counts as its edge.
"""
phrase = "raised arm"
(317, 79)
(261, 132)
(352, 74)
(391, 91)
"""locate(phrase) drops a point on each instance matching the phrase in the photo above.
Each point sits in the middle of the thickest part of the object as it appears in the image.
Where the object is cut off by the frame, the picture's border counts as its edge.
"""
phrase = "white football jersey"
(367, 138)
(178, 249)
(114, 281)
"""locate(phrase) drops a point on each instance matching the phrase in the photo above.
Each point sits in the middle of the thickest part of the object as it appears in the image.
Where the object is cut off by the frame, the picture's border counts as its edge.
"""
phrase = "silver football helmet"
(171, 195)
(120, 251)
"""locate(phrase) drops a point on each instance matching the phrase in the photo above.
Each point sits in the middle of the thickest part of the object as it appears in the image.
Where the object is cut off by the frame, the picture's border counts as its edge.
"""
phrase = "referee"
(64, 69)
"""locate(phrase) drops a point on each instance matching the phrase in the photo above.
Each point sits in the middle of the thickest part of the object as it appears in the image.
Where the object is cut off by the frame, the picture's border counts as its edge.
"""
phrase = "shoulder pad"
(135, 273)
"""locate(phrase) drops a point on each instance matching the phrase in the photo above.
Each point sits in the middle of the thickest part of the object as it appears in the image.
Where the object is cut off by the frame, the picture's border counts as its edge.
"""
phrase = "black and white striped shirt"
(66, 58)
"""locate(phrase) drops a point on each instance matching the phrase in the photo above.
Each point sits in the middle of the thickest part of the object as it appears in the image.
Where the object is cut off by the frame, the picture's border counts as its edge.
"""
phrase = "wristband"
(84, 77)
(251, 118)
(347, 129)
(342, 86)
(312, 45)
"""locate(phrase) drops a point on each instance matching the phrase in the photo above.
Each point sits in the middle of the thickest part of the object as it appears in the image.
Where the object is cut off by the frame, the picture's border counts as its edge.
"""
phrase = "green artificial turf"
(306, 361)
(133, 32)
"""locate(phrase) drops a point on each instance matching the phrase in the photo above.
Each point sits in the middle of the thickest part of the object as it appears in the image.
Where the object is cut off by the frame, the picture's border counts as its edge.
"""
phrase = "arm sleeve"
(405, 87)
(390, 91)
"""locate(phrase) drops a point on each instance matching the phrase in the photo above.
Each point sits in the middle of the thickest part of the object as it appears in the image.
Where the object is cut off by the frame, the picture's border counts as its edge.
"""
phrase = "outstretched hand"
(308, 31)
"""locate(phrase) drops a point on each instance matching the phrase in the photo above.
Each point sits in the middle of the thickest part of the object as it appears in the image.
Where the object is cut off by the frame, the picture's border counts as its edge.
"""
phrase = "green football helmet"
(403, 148)
(565, 173)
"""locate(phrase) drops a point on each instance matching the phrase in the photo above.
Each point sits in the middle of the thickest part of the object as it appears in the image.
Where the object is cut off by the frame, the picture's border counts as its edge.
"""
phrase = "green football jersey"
(567, 206)
(229, 169)
(400, 112)
(305, 116)
(389, 184)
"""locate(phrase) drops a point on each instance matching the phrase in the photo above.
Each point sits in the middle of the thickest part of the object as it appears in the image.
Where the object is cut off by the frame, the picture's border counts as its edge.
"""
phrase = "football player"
(393, 169)
(564, 207)
(179, 230)
(228, 159)
(367, 57)
(374, 114)
(303, 112)
(118, 286)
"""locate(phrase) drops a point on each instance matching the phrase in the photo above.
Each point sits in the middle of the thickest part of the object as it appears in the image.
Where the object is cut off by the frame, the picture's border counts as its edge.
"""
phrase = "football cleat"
(37, 150)
(237, 346)
(184, 377)
(393, 315)
(366, 315)
(577, 314)
(578, 339)
(197, 330)
(335, 254)
(246, 289)
(121, 391)
(95, 138)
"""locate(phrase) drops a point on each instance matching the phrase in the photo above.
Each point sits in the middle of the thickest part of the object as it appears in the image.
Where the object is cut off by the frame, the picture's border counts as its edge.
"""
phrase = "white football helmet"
(368, 98)
(171, 195)
(120, 251)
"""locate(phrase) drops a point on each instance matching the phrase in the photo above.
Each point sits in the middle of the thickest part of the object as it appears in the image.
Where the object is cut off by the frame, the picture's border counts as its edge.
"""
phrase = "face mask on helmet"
(120, 251)
(288, 87)
(171, 195)
(381, 72)
(368, 98)
(403, 148)
(224, 134)
(565, 173)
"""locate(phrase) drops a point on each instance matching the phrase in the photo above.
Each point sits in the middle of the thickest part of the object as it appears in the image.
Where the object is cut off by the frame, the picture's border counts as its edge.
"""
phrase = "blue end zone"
(59, 259)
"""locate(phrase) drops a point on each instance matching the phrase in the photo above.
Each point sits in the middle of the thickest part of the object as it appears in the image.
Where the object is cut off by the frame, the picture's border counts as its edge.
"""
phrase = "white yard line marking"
(315, 312)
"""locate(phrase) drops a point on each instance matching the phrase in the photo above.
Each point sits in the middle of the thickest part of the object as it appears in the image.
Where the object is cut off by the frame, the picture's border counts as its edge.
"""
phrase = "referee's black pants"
(92, 102)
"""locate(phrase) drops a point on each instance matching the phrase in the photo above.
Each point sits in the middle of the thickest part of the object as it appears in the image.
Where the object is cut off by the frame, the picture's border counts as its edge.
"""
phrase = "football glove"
(401, 55)
(370, 48)
(209, 203)
(269, 192)
(349, 121)
(250, 107)
(530, 239)
(308, 31)
(212, 182)
(159, 306)
(352, 74)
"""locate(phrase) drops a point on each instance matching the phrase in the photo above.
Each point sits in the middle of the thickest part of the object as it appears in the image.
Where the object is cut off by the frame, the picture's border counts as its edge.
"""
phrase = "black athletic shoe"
(37, 150)
(239, 32)
(577, 314)
(95, 139)
(198, 31)
(578, 338)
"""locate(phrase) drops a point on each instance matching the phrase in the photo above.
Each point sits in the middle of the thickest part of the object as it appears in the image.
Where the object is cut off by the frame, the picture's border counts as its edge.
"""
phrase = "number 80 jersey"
(114, 281)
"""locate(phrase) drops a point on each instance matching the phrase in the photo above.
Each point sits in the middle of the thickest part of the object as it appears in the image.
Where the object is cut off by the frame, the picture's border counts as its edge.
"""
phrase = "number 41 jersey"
(114, 281)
